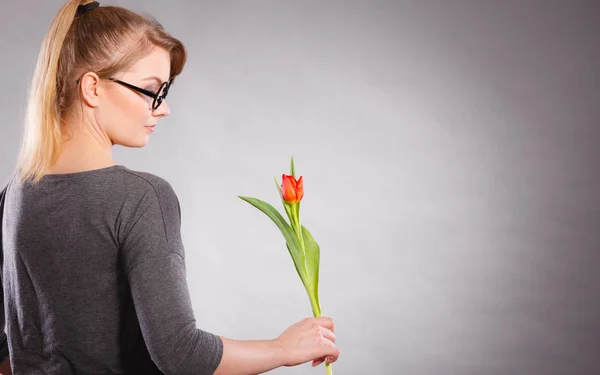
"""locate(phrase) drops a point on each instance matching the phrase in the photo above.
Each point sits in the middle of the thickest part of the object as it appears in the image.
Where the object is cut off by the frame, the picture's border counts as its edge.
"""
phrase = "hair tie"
(83, 9)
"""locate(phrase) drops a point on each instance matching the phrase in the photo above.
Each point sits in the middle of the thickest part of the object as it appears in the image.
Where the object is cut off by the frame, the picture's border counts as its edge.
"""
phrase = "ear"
(89, 87)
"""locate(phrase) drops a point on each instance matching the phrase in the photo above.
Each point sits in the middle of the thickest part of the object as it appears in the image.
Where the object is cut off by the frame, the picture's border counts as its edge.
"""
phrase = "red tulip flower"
(292, 190)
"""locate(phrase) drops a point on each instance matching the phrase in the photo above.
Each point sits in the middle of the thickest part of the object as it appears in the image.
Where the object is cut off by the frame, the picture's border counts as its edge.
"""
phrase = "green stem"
(314, 302)
(316, 308)
(298, 229)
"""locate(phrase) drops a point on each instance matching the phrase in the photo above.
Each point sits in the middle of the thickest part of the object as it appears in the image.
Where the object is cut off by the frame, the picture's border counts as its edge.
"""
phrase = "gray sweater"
(94, 278)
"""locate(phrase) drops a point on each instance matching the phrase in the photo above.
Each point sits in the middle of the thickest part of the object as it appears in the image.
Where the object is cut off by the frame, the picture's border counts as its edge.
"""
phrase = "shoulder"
(149, 189)
(145, 182)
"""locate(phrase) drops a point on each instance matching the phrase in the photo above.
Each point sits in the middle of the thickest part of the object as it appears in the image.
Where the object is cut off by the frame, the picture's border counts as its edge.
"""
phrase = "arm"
(244, 357)
(309, 339)
(153, 261)
(155, 267)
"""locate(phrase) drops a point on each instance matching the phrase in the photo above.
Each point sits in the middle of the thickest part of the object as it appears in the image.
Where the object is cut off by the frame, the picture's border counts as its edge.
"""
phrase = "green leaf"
(292, 169)
(286, 205)
(313, 254)
(278, 187)
(291, 240)
(299, 268)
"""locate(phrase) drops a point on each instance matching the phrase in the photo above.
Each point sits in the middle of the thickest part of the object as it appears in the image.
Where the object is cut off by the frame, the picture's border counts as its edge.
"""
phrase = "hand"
(309, 339)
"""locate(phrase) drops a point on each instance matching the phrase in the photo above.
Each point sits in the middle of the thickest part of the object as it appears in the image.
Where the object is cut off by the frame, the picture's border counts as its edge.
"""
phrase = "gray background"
(449, 150)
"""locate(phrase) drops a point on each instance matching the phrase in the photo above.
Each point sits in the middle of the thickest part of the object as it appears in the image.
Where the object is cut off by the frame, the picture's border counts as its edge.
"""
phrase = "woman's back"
(80, 251)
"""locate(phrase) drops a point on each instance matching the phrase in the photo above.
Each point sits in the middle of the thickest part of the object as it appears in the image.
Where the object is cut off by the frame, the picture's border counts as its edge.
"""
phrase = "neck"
(83, 149)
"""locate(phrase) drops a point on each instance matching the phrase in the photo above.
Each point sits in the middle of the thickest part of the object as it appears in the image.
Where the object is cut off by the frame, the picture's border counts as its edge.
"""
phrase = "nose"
(163, 110)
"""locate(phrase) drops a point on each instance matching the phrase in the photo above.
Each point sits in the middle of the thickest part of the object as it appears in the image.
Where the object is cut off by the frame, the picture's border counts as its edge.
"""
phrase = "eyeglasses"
(158, 96)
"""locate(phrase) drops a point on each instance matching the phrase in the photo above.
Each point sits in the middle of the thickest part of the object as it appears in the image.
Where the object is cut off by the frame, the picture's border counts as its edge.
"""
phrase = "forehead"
(157, 63)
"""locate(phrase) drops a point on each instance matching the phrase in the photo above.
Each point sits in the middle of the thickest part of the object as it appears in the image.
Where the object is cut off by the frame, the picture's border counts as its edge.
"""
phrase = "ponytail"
(42, 134)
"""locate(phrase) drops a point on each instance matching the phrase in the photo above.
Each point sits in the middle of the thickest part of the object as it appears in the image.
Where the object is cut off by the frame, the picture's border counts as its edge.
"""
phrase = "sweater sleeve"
(154, 262)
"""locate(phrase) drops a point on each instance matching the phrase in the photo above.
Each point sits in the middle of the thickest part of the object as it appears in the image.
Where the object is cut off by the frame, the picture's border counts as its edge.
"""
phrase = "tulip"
(301, 245)
(292, 190)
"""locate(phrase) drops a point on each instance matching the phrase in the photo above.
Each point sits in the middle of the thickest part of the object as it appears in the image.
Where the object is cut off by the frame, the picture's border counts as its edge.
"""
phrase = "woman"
(93, 268)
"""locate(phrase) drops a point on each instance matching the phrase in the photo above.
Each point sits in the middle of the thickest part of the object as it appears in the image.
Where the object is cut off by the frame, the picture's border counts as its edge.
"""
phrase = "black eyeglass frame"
(157, 99)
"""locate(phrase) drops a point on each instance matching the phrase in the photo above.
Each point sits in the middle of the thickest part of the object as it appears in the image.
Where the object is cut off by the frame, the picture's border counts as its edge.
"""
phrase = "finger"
(325, 321)
(327, 333)
(332, 352)
(334, 357)
(328, 359)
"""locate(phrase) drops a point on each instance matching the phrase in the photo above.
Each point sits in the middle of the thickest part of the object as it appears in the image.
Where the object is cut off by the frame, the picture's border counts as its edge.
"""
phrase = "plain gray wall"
(450, 154)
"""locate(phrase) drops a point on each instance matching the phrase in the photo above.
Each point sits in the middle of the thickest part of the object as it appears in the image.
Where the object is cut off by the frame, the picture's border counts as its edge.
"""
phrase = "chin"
(137, 142)
(140, 143)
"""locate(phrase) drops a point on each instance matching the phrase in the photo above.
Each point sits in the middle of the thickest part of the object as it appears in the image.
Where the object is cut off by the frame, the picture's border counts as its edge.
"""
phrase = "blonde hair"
(105, 40)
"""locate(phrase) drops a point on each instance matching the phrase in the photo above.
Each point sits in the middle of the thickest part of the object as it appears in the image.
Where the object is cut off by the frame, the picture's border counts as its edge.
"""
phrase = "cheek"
(124, 112)
(123, 117)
